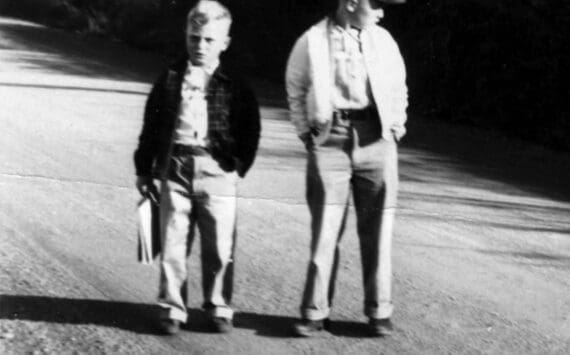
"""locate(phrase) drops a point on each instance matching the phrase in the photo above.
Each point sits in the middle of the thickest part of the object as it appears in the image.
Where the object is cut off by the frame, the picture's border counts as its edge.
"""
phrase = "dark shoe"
(222, 325)
(308, 328)
(380, 327)
(169, 326)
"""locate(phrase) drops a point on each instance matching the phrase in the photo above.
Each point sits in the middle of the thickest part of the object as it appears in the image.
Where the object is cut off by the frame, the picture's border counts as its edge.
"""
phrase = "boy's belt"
(195, 150)
(356, 115)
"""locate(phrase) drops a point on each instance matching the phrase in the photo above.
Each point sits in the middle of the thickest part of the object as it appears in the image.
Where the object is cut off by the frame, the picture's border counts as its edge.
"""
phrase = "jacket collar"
(221, 74)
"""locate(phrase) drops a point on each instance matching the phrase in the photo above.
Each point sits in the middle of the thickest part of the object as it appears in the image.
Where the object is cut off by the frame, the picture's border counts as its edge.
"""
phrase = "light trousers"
(353, 160)
(198, 193)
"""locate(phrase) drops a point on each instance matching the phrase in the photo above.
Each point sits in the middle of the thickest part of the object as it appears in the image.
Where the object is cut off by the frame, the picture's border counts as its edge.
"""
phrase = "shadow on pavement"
(490, 155)
(50, 50)
(546, 218)
(273, 326)
(134, 317)
(73, 88)
(489, 204)
(499, 225)
(141, 318)
(532, 257)
(281, 326)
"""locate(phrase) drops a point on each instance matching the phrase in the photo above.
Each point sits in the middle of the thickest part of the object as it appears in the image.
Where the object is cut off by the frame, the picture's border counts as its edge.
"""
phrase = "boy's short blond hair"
(206, 11)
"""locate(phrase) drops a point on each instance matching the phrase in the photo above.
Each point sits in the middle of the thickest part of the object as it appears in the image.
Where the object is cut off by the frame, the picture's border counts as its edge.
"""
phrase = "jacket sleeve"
(399, 91)
(248, 130)
(146, 153)
(297, 82)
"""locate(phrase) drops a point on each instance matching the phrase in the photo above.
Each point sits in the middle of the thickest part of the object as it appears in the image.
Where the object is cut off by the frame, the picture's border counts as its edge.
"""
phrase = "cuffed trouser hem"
(315, 314)
(385, 310)
(220, 312)
(168, 312)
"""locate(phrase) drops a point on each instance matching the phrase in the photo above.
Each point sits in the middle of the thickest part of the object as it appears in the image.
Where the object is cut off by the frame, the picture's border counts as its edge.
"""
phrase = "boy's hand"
(307, 140)
(398, 132)
(147, 188)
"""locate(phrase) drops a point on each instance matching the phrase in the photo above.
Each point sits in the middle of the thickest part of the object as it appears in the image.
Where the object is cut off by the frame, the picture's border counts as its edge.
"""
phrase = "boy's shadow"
(142, 318)
(135, 317)
(273, 326)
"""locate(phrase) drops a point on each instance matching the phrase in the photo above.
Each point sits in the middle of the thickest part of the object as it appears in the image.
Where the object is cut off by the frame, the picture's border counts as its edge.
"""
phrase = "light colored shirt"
(309, 81)
(351, 87)
(192, 126)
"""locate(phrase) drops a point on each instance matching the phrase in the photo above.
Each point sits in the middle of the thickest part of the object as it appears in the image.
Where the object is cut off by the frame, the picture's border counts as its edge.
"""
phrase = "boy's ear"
(227, 42)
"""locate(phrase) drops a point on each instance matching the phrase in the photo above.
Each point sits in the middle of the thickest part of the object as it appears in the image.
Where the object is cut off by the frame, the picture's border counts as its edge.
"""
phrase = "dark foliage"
(498, 64)
(501, 64)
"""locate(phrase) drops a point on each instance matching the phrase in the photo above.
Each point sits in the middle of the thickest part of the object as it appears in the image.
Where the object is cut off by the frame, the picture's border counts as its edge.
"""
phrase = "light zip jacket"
(309, 81)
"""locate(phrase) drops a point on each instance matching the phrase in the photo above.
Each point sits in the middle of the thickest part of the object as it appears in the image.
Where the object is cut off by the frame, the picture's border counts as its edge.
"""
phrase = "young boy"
(201, 131)
(346, 85)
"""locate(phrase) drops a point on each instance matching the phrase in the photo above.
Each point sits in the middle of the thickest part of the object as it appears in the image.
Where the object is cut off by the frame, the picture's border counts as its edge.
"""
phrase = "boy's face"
(368, 12)
(206, 43)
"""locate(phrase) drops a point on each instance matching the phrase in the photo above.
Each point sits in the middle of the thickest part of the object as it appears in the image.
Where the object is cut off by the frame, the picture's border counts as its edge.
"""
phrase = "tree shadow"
(558, 261)
(557, 223)
(51, 50)
(548, 259)
(73, 88)
(488, 154)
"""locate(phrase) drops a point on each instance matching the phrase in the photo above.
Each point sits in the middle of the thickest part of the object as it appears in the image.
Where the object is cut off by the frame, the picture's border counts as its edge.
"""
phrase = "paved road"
(481, 253)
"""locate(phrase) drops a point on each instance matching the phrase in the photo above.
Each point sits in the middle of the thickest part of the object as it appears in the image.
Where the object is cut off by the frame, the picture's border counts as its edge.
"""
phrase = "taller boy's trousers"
(354, 158)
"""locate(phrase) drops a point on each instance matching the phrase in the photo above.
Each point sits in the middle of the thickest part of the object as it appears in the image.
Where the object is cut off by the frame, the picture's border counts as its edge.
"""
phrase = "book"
(149, 244)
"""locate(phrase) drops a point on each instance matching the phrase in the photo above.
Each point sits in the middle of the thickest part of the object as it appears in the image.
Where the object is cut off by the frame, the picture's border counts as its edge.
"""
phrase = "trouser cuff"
(220, 312)
(315, 314)
(167, 312)
(384, 310)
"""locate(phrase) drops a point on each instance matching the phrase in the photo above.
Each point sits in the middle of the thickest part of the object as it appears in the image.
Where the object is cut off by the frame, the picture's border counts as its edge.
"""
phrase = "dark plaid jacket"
(233, 122)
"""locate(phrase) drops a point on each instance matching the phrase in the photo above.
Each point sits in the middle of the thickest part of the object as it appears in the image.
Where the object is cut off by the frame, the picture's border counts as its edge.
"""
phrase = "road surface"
(481, 247)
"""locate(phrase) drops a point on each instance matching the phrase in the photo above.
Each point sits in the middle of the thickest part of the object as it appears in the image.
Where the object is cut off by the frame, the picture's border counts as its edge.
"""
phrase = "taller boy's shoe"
(380, 327)
(222, 325)
(169, 326)
(309, 328)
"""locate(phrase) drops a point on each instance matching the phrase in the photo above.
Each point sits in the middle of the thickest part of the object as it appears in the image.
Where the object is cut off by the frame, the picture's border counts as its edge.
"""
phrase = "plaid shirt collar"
(181, 65)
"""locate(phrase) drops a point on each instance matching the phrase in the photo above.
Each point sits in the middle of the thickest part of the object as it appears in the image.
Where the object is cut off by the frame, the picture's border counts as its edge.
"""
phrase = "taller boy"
(348, 97)
(201, 130)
